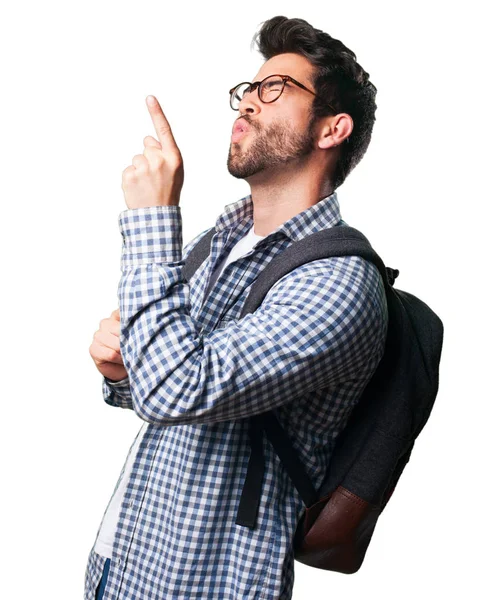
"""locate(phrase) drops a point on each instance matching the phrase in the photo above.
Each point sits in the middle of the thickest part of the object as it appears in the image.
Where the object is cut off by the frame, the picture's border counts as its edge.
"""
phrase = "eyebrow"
(286, 82)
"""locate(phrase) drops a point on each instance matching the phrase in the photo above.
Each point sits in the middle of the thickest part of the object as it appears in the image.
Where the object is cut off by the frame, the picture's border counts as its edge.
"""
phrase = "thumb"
(149, 140)
(116, 314)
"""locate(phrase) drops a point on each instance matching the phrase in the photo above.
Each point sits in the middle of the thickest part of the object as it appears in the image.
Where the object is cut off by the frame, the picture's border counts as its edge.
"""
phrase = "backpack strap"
(202, 249)
(197, 255)
(335, 241)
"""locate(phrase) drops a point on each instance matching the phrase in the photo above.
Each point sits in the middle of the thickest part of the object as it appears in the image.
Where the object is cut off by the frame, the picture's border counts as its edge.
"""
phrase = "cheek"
(285, 122)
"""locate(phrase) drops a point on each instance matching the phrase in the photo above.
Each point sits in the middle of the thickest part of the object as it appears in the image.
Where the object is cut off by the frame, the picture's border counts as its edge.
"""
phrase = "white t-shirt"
(106, 535)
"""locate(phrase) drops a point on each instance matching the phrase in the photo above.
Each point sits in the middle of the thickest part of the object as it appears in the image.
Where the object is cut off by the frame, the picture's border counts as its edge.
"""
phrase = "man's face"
(280, 132)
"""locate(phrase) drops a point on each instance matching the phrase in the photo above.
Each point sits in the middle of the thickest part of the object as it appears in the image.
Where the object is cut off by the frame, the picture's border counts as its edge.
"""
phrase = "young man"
(180, 357)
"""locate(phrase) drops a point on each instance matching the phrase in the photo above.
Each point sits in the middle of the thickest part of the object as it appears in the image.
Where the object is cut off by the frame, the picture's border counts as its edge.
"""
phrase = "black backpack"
(372, 450)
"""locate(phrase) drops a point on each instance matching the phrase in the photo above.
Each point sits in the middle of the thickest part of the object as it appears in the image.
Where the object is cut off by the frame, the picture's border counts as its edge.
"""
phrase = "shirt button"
(119, 562)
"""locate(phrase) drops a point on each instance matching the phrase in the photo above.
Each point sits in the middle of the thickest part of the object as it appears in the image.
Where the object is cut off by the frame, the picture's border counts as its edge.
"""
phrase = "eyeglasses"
(270, 89)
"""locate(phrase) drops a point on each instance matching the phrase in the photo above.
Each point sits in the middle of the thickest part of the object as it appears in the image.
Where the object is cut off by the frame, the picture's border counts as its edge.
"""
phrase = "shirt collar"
(322, 215)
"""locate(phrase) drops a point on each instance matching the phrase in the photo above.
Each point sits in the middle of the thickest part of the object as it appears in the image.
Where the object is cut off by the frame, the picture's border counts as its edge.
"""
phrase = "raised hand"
(156, 176)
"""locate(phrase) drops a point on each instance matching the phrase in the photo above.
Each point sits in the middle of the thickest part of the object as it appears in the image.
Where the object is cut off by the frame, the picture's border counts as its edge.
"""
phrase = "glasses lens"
(238, 94)
(270, 90)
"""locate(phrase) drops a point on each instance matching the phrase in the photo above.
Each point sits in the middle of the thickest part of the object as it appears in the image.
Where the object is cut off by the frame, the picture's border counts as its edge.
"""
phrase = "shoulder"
(336, 306)
(342, 277)
(345, 293)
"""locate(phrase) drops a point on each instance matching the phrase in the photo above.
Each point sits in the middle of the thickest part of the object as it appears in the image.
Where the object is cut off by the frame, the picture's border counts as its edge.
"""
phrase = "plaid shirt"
(196, 373)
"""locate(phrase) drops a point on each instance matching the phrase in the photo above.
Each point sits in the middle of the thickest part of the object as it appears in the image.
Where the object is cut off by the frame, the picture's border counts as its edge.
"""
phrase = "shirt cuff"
(118, 383)
(152, 234)
(117, 393)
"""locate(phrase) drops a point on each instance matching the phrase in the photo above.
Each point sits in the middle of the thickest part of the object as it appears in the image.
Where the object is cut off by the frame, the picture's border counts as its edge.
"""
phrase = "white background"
(75, 77)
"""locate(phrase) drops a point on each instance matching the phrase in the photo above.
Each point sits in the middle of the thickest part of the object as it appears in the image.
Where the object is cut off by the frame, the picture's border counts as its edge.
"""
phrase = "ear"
(335, 130)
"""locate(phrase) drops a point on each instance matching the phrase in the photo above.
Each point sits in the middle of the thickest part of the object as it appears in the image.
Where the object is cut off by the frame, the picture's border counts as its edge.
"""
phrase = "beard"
(277, 145)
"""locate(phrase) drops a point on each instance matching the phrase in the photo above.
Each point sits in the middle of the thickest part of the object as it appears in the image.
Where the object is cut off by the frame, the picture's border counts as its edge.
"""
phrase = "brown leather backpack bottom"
(334, 533)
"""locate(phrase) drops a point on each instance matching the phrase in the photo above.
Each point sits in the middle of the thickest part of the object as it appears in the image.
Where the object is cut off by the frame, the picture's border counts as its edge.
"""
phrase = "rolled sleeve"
(144, 231)
(117, 393)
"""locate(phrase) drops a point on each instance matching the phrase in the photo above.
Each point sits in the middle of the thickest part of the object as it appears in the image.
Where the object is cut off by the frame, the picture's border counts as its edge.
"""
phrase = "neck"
(278, 198)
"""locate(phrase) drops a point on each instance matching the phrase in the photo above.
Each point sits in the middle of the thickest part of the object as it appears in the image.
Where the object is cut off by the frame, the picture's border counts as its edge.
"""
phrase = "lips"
(241, 125)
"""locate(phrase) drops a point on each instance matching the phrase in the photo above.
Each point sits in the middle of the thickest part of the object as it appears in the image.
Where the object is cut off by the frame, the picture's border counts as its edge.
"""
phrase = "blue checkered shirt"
(196, 373)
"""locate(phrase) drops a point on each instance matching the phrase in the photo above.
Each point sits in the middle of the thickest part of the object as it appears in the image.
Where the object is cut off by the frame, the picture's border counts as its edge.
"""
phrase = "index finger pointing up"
(161, 124)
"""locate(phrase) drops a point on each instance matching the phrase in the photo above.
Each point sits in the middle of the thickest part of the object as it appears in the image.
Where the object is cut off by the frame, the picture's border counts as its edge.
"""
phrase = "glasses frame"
(286, 78)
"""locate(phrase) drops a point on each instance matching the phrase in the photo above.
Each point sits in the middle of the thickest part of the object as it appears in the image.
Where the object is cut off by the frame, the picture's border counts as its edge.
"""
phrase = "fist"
(105, 348)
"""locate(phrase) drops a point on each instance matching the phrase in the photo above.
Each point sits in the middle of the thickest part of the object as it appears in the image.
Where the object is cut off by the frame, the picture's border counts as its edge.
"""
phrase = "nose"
(250, 103)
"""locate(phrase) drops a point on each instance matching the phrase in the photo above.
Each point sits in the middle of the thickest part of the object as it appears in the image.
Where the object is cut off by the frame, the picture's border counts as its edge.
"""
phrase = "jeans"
(102, 584)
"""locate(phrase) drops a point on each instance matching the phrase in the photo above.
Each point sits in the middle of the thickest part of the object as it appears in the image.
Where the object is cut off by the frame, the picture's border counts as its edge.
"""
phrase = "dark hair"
(337, 78)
